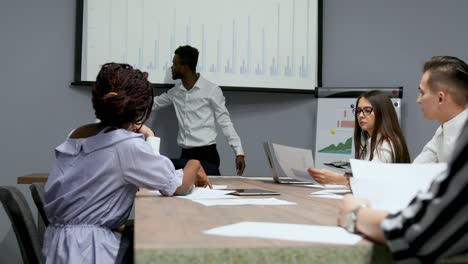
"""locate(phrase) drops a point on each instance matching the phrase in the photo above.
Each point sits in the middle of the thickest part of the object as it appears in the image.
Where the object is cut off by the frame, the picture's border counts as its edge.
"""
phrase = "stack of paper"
(330, 193)
(326, 186)
(199, 193)
(211, 197)
(260, 201)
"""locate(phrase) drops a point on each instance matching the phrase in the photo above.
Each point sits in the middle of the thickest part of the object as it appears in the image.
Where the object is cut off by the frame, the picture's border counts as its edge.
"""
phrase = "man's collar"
(457, 121)
(199, 83)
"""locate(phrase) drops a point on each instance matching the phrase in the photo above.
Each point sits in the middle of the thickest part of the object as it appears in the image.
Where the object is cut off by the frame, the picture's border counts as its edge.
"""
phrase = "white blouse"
(383, 153)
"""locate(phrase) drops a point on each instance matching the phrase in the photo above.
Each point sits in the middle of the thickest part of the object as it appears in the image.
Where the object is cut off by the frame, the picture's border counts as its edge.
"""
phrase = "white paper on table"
(264, 201)
(392, 186)
(331, 191)
(291, 232)
(207, 193)
(219, 187)
(329, 196)
(325, 186)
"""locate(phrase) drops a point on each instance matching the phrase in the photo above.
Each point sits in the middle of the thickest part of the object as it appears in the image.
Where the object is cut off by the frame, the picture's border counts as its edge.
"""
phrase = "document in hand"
(290, 162)
(392, 186)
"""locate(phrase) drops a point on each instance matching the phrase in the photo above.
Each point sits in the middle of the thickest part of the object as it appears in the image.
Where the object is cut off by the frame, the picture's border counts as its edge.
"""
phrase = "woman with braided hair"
(91, 188)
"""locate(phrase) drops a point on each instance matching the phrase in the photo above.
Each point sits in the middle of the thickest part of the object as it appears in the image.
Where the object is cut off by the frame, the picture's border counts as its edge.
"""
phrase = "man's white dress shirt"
(197, 110)
(442, 145)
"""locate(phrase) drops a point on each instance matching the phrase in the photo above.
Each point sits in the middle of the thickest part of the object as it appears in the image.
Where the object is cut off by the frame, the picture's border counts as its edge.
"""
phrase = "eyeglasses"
(367, 110)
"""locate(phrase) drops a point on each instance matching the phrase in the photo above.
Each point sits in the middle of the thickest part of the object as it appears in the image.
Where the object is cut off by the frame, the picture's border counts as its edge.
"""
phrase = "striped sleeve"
(435, 224)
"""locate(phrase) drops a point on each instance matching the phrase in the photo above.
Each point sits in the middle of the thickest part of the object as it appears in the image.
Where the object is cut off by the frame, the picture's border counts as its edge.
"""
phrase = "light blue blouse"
(90, 191)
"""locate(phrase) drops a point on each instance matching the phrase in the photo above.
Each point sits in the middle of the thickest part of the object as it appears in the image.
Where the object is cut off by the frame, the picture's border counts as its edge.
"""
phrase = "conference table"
(170, 230)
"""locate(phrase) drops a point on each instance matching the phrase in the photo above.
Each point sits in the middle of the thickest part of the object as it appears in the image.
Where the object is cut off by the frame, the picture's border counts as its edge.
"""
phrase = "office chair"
(37, 193)
(23, 224)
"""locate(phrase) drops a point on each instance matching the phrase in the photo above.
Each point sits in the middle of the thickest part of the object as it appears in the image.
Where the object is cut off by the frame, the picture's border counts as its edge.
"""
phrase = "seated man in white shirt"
(443, 97)
(197, 103)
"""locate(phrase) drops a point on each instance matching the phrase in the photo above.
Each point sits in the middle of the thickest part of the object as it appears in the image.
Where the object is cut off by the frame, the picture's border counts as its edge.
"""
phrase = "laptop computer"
(288, 164)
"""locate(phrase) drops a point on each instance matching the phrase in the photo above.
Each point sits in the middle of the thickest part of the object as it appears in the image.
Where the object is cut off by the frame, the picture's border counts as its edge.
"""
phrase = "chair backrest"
(37, 193)
(23, 224)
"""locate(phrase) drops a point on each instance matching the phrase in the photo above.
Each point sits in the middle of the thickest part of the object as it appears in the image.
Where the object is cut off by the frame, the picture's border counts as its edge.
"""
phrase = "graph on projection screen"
(242, 43)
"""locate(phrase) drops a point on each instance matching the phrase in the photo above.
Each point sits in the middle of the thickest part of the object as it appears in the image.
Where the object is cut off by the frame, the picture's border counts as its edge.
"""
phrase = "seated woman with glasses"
(91, 188)
(377, 136)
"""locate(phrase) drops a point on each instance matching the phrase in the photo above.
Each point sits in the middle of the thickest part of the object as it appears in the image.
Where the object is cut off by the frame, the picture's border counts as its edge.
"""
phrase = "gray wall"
(37, 105)
(365, 43)
(384, 43)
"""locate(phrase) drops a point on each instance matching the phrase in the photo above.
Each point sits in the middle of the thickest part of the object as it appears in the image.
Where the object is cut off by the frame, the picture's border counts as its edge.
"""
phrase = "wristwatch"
(351, 218)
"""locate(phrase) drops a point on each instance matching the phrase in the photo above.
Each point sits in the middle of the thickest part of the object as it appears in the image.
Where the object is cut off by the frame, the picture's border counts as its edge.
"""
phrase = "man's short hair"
(449, 72)
(188, 56)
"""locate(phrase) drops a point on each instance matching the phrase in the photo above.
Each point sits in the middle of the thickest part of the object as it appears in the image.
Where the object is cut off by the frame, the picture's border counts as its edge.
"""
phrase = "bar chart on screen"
(263, 43)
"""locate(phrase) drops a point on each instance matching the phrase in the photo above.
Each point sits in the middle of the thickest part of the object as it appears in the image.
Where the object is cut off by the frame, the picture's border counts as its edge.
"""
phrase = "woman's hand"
(325, 176)
(142, 129)
(202, 179)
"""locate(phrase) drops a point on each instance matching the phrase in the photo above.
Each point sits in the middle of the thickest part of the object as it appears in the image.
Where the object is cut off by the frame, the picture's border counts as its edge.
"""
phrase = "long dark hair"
(386, 125)
(122, 95)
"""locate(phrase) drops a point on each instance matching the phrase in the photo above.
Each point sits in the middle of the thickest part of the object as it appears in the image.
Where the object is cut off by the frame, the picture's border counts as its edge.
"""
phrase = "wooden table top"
(32, 178)
(172, 228)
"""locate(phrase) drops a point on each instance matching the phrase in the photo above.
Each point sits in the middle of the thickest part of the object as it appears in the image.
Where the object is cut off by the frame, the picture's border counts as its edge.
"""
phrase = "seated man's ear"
(442, 96)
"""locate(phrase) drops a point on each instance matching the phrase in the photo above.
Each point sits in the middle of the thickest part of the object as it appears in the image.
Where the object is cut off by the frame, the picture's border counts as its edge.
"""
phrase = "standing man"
(197, 103)
(443, 95)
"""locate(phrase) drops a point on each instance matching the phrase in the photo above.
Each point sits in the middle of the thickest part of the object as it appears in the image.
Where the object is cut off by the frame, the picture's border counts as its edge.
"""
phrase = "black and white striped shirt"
(435, 224)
